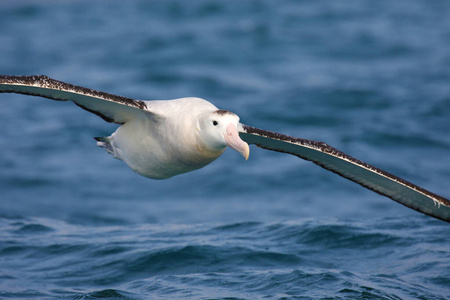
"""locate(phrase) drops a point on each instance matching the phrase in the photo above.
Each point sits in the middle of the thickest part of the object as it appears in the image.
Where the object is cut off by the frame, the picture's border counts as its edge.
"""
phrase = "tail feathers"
(105, 143)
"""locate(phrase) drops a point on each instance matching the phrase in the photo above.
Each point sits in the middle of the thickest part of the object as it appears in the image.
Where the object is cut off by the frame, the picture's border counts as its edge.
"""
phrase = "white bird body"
(163, 143)
(161, 139)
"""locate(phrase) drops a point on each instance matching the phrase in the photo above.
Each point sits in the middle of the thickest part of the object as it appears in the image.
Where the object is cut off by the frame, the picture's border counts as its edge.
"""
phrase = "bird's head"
(219, 129)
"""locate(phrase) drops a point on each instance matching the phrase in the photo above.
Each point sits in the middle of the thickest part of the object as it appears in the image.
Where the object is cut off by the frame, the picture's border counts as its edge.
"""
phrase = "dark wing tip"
(43, 81)
(89, 99)
(364, 174)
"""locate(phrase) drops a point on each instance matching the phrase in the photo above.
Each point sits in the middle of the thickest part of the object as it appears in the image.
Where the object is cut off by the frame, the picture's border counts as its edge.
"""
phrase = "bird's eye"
(215, 123)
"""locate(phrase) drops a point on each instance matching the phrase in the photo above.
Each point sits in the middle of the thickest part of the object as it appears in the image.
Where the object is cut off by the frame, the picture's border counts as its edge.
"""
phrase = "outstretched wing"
(375, 179)
(111, 108)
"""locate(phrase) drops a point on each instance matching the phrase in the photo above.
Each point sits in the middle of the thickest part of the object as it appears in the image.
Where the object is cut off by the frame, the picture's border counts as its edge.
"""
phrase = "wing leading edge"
(111, 108)
(373, 178)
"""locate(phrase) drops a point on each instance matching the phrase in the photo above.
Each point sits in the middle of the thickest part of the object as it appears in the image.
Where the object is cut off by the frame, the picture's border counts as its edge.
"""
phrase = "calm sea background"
(371, 78)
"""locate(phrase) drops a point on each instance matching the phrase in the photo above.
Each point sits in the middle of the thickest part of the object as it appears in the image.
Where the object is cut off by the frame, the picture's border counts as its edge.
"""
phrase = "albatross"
(161, 139)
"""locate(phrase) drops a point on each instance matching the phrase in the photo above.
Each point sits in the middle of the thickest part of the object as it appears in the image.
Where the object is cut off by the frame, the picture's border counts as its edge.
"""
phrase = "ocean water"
(370, 78)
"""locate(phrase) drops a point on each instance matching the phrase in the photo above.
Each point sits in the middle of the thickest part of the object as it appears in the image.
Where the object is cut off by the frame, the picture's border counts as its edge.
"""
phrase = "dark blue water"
(371, 78)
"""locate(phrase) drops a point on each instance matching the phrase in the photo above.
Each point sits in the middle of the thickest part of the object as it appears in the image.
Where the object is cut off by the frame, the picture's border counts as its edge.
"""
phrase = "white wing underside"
(119, 110)
(353, 169)
(111, 108)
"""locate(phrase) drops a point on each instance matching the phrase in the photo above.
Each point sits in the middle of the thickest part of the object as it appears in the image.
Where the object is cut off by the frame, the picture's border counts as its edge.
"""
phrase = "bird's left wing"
(373, 178)
(111, 108)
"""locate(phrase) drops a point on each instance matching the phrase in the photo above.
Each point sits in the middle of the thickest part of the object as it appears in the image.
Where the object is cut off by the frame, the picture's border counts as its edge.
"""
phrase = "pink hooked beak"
(234, 141)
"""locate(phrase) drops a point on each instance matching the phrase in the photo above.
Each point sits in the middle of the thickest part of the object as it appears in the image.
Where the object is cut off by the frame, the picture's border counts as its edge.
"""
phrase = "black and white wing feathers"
(353, 169)
(111, 108)
(119, 110)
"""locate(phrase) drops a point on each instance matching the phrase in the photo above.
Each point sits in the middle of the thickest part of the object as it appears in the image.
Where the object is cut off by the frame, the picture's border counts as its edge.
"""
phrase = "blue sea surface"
(371, 78)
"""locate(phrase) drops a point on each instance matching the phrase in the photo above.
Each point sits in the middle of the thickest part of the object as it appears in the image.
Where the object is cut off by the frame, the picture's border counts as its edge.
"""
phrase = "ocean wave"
(237, 260)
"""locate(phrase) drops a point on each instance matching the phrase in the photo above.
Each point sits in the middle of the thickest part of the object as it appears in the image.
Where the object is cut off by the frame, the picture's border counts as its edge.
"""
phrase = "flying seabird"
(161, 139)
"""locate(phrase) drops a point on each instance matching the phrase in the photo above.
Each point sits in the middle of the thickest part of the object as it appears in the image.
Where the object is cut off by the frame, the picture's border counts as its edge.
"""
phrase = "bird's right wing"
(111, 108)
(368, 176)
